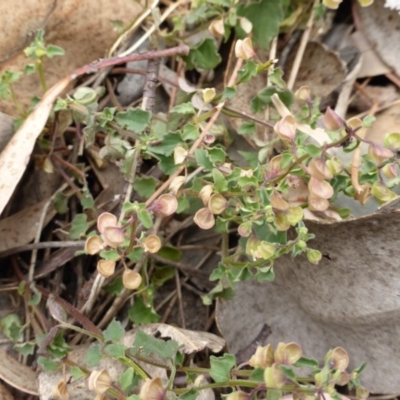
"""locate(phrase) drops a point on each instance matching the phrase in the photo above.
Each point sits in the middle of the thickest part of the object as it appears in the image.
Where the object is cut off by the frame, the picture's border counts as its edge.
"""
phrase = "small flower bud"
(208, 95)
(244, 49)
(331, 120)
(288, 353)
(317, 203)
(180, 155)
(382, 193)
(390, 170)
(252, 246)
(99, 381)
(217, 28)
(274, 378)
(244, 229)
(131, 279)
(303, 94)
(60, 391)
(113, 236)
(217, 204)
(362, 393)
(392, 141)
(204, 218)
(165, 205)
(266, 250)
(106, 267)
(314, 256)
(152, 389)
(152, 244)
(205, 194)
(320, 188)
(338, 359)
(379, 154)
(245, 24)
(286, 128)
(105, 220)
(278, 203)
(176, 184)
(263, 357)
(294, 215)
(93, 245)
(319, 169)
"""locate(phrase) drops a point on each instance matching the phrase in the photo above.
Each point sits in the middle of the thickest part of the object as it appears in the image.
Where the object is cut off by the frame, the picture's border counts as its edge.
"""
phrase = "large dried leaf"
(16, 374)
(351, 299)
(321, 69)
(380, 26)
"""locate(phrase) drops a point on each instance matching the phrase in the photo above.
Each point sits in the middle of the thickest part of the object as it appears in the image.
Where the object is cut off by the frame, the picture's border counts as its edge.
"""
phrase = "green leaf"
(145, 186)
(170, 253)
(288, 371)
(114, 331)
(228, 93)
(147, 345)
(135, 254)
(189, 395)
(221, 367)
(266, 16)
(145, 218)
(247, 128)
(76, 372)
(248, 71)
(220, 183)
(54, 51)
(115, 350)
(126, 379)
(141, 313)
(217, 155)
(244, 181)
(134, 119)
(190, 132)
(115, 287)
(93, 355)
(162, 275)
(48, 364)
(274, 394)
(111, 254)
(306, 362)
(26, 349)
(257, 375)
(79, 226)
(203, 159)
(313, 150)
(265, 274)
(167, 164)
(11, 327)
(204, 56)
(275, 76)
(167, 145)
(184, 108)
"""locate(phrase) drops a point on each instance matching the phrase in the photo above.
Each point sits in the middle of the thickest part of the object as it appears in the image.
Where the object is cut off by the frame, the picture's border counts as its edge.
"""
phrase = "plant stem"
(39, 68)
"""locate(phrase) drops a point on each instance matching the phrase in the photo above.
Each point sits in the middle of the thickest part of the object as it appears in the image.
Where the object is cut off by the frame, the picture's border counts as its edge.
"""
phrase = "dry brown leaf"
(189, 341)
(380, 26)
(351, 299)
(15, 157)
(81, 27)
(321, 70)
(21, 228)
(17, 375)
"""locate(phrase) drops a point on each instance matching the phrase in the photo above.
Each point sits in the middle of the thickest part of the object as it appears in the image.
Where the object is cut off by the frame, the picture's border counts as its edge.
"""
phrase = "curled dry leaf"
(15, 156)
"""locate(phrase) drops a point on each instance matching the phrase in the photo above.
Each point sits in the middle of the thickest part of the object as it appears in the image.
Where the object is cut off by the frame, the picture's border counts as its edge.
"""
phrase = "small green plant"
(265, 201)
(270, 371)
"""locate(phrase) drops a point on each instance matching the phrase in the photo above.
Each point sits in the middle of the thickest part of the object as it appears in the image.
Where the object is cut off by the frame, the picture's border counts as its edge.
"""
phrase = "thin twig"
(302, 47)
